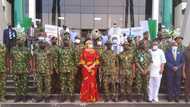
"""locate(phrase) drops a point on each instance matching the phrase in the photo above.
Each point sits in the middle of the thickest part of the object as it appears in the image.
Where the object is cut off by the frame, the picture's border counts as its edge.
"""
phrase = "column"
(18, 12)
(186, 25)
(155, 10)
(32, 10)
(167, 13)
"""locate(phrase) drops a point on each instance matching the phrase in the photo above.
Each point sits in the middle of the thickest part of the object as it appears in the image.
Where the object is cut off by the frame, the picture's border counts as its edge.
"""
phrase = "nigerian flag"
(152, 25)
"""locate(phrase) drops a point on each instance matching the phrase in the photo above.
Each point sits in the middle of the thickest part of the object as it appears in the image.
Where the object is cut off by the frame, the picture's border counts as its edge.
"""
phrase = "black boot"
(18, 99)
(47, 99)
(39, 99)
(106, 99)
(62, 98)
(186, 99)
(72, 98)
(129, 98)
(138, 98)
(177, 99)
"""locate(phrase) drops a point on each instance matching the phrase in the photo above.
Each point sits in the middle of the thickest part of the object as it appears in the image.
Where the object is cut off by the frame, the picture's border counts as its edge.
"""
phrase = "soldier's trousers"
(126, 83)
(67, 84)
(2, 85)
(43, 84)
(21, 83)
(141, 82)
(110, 85)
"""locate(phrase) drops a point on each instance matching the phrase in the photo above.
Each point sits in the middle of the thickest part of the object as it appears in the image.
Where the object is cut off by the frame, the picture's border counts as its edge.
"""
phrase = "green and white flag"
(152, 24)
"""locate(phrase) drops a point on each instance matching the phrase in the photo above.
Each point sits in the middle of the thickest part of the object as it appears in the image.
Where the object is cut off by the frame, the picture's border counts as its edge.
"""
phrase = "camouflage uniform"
(181, 47)
(21, 56)
(43, 73)
(67, 69)
(99, 77)
(54, 64)
(110, 75)
(164, 45)
(78, 51)
(126, 61)
(2, 72)
(142, 60)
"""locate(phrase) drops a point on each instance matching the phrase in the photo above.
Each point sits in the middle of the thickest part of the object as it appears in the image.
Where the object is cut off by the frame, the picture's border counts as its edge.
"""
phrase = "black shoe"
(72, 99)
(177, 100)
(170, 99)
(62, 99)
(186, 99)
(18, 99)
(129, 99)
(114, 100)
(39, 99)
(106, 99)
(47, 100)
(138, 98)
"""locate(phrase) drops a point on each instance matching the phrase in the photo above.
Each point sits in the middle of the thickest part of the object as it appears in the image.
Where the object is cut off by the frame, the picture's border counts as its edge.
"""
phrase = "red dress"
(89, 90)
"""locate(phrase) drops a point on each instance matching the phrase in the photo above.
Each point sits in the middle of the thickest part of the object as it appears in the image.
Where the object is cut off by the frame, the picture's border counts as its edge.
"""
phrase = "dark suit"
(174, 77)
(8, 40)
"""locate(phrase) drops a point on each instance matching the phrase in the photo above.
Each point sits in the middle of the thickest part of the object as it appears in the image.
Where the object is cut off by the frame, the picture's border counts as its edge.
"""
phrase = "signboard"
(133, 32)
(52, 30)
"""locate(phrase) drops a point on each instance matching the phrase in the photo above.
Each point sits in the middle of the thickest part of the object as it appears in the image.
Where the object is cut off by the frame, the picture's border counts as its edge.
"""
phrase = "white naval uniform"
(116, 33)
(158, 58)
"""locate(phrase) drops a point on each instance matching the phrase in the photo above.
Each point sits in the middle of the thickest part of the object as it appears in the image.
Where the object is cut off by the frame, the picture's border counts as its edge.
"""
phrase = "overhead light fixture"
(61, 18)
(97, 18)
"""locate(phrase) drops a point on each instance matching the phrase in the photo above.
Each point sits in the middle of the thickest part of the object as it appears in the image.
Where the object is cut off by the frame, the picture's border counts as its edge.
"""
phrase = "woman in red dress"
(89, 60)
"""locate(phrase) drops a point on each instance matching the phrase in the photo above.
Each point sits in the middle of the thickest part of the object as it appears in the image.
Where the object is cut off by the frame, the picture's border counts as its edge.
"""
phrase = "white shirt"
(158, 58)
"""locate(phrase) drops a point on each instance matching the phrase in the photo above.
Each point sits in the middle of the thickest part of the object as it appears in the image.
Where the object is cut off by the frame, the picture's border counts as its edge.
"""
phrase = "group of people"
(138, 68)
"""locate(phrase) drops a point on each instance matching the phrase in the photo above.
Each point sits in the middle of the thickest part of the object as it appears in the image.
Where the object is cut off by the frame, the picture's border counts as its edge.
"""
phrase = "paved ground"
(53, 103)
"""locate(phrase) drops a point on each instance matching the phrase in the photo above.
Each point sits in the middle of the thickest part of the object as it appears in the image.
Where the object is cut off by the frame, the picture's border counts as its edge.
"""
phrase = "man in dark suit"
(9, 37)
(9, 40)
(175, 63)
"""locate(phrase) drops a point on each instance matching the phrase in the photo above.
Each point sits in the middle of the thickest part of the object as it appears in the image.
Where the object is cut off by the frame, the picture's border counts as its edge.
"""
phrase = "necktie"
(10, 35)
(174, 54)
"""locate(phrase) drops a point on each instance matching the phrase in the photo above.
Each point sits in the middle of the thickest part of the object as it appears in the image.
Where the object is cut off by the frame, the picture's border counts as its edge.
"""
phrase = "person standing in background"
(186, 73)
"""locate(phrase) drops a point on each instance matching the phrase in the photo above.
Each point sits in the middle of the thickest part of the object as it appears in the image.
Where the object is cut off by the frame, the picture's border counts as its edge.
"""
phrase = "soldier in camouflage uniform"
(110, 73)
(179, 40)
(142, 62)
(2, 72)
(78, 50)
(126, 72)
(67, 69)
(164, 44)
(21, 56)
(43, 72)
(100, 48)
(54, 62)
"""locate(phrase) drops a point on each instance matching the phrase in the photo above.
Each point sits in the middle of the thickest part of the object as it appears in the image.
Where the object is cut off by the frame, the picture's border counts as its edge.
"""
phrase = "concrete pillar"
(18, 12)
(155, 10)
(32, 10)
(1, 20)
(186, 25)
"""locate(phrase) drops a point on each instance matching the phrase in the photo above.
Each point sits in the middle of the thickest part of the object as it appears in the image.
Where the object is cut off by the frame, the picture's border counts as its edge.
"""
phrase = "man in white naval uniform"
(156, 70)
(117, 38)
(115, 32)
